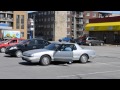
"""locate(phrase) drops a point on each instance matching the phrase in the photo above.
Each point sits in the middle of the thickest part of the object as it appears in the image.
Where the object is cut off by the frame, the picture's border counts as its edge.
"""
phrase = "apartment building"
(53, 25)
(14, 21)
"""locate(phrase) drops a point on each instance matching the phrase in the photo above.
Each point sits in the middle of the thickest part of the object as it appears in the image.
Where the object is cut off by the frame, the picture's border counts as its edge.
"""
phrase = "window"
(48, 12)
(66, 47)
(22, 34)
(52, 18)
(68, 25)
(94, 14)
(18, 22)
(68, 19)
(40, 42)
(44, 26)
(45, 19)
(45, 13)
(87, 14)
(87, 20)
(68, 32)
(13, 41)
(22, 21)
(68, 12)
(48, 19)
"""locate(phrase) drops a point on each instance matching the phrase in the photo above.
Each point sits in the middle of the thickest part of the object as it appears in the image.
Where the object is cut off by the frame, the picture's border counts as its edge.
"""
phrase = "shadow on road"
(10, 56)
(52, 63)
(28, 63)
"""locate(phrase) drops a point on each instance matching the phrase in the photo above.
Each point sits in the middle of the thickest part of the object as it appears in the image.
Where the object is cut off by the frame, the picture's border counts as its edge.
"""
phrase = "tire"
(3, 50)
(84, 59)
(45, 60)
(101, 44)
(18, 54)
(90, 44)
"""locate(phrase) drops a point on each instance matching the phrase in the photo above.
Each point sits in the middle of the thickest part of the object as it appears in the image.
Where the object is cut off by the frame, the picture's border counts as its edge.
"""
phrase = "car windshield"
(23, 42)
(52, 46)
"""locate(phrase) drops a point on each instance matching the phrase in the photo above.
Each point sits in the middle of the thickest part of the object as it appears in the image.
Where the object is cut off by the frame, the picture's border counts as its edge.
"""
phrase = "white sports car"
(59, 51)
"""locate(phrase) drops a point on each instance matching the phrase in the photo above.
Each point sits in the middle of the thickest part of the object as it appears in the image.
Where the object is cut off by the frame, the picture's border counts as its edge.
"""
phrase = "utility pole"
(75, 25)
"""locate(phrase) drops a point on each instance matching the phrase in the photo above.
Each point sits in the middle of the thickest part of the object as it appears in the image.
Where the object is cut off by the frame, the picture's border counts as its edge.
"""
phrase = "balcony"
(6, 19)
(80, 29)
(10, 12)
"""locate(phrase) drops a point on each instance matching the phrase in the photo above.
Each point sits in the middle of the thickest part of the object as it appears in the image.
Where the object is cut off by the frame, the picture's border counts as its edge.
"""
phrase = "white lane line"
(89, 73)
(110, 63)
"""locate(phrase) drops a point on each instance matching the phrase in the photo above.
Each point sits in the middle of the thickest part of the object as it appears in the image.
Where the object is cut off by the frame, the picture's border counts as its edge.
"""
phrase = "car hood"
(34, 51)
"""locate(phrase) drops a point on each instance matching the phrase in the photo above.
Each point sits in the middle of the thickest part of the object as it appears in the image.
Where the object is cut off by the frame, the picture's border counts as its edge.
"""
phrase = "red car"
(7, 43)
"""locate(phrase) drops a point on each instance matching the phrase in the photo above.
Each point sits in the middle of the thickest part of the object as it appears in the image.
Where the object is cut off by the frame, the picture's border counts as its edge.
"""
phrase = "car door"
(64, 53)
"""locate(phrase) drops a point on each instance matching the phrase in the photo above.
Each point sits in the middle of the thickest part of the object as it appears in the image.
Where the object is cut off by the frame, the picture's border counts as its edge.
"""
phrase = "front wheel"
(84, 59)
(18, 54)
(3, 50)
(45, 60)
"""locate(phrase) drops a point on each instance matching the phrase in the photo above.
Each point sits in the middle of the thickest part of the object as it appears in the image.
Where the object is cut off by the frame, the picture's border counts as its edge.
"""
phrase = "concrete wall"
(60, 25)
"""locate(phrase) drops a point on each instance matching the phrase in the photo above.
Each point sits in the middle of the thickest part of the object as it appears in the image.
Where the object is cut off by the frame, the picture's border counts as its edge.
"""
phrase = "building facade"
(107, 29)
(53, 25)
(13, 21)
(74, 23)
(92, 15)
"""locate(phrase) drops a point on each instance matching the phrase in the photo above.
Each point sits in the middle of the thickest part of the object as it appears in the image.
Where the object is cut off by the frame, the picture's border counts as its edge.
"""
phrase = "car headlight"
(31, 55)
(13, 48)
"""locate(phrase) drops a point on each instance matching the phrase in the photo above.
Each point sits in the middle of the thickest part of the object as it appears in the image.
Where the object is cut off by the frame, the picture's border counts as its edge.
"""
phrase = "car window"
(13, 41)
(20, 40)
(66, 47)
(40, 42)
(31, 42)
(74, 47)
(52, 46)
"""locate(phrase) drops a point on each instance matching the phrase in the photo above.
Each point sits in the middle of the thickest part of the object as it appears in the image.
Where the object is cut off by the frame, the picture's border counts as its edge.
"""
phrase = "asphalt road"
(106, 65)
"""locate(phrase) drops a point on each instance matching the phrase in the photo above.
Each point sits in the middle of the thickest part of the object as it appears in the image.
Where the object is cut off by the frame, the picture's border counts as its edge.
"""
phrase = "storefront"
(107, 31)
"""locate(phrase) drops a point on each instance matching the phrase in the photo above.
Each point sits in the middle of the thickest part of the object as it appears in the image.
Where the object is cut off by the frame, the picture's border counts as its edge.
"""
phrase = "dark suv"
(26, 45)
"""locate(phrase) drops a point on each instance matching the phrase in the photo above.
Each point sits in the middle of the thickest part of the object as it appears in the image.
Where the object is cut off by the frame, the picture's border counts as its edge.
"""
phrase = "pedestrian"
(105, 39)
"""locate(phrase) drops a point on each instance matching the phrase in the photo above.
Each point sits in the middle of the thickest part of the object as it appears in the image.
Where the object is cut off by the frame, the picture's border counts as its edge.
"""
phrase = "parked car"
(65, 39)
(26, 45)
(80, 41)
(94, 41)
(59, 51)
(9, 42)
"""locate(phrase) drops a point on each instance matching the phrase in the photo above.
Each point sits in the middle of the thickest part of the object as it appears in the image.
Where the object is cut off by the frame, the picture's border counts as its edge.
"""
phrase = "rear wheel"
(84, 59)
(45, 60)
(3, 50)
(18, 53)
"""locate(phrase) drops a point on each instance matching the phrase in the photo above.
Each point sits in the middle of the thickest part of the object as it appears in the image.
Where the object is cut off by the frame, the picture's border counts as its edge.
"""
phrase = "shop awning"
(107, 26)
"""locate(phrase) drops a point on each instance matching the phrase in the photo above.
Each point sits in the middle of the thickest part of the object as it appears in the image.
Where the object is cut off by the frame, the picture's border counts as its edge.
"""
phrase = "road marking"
(88, 74)
(110, 63)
